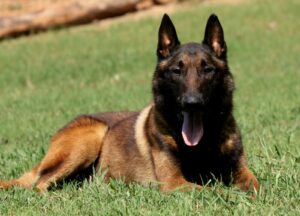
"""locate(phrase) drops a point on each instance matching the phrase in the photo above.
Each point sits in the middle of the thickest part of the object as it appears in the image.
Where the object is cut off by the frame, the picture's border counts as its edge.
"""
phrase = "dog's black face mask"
(192, 80)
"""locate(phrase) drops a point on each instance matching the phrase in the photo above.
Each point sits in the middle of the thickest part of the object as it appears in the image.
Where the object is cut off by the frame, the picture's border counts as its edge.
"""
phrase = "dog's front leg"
(169, 173)
(178, 183)
(245, 180)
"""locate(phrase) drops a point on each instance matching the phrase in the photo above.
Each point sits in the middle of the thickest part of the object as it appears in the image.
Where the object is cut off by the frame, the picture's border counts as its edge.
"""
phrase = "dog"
(187, 137)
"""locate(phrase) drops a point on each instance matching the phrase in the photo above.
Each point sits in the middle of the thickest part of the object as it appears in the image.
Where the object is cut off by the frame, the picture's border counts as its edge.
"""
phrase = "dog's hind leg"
(72, 149)
(26, 180)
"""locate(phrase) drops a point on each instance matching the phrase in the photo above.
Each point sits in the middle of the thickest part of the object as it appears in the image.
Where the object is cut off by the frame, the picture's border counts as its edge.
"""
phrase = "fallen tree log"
(68, 14)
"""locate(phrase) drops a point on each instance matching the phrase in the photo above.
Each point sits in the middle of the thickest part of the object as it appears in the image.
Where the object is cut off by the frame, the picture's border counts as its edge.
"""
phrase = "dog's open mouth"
(192, 128)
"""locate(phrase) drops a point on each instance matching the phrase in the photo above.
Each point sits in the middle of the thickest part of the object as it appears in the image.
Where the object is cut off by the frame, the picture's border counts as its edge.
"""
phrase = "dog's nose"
(192, 101)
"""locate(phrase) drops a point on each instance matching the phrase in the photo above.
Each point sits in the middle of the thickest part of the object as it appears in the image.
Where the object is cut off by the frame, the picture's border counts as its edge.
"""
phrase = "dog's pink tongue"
(192, 128)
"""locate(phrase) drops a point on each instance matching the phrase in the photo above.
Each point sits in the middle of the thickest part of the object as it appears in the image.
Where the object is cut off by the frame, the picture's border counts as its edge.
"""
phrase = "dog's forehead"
(191, 48)
(192, 52)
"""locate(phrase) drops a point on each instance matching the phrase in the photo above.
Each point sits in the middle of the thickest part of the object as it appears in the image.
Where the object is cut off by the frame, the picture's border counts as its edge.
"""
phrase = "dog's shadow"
(76, 180)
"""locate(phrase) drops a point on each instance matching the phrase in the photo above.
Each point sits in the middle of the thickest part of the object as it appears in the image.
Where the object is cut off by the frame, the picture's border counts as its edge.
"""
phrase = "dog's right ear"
(167, 38)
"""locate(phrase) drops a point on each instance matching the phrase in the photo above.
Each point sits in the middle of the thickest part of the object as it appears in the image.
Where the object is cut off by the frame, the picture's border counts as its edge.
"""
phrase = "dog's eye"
(208, 69)
(176, 70)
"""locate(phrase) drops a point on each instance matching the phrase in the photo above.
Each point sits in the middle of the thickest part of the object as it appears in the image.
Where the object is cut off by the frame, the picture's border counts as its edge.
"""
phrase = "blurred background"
(19, 17)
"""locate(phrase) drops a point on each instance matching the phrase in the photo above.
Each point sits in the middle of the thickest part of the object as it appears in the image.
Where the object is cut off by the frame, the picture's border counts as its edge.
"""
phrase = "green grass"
(46, 80)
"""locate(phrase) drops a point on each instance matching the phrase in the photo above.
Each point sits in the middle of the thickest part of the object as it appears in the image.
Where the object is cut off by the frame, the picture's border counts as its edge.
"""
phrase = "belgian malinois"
(186, 137)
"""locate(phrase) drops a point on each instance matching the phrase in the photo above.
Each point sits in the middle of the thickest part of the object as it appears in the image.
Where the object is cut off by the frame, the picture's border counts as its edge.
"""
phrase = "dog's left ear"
(214, 36)
(167, 38)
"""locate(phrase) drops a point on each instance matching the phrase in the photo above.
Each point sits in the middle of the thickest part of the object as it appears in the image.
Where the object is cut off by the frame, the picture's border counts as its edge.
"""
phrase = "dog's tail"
(73, 149)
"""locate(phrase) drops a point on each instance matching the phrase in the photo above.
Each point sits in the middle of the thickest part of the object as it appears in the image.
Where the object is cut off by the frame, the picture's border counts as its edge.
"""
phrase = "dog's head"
(192, 81)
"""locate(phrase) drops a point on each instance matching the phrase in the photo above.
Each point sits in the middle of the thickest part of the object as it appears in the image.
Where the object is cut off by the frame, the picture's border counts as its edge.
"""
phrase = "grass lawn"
(47, 79)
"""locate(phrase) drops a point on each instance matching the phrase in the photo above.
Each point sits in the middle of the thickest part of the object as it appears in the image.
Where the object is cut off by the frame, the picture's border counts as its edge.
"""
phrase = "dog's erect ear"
(167, 38)
(214, 36)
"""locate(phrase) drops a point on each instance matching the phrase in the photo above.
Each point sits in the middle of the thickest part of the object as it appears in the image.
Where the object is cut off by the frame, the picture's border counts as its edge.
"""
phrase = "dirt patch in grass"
(17, 7)
(158, 10)
(21, 17)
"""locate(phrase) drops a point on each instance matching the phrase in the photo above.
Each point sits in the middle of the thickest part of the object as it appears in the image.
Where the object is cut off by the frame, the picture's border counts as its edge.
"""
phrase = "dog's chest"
(205, 164)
